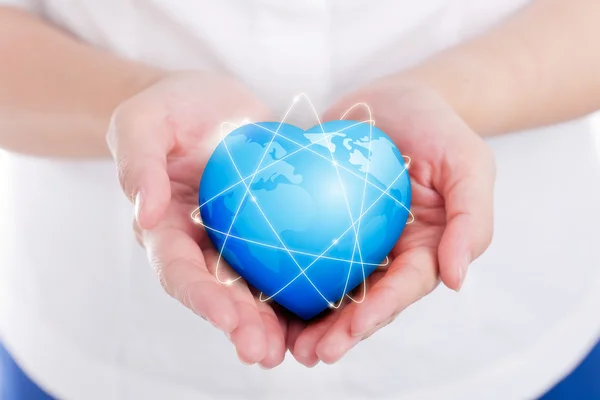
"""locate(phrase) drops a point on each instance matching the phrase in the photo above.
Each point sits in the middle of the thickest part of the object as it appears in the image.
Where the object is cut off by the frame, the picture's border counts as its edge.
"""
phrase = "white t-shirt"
(82, 311)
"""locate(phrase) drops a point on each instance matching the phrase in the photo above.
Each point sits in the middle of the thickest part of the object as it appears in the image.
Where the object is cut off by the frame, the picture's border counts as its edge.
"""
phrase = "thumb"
(468, 193)
(139, 147)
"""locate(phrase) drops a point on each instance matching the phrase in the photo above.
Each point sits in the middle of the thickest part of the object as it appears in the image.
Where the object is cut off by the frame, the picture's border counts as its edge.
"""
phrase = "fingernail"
(373, 329)
(370, 328)
(463, 272)
(364, 332)
(369, 332)
(138, 206)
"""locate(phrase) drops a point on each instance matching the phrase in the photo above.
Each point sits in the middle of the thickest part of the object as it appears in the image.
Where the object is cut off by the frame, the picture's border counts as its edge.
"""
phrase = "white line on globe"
(353, 226)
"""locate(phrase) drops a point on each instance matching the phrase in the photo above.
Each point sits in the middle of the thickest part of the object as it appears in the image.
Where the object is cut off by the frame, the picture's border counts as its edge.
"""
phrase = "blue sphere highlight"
(305, 216)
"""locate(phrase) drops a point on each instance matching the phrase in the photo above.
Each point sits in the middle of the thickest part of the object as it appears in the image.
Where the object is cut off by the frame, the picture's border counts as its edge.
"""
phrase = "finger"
(338, 338)
(468, 193)
(306, 344)
(284, 319)
(276, 329)
(295, 328)
(410, 277)
(250, 336)
(139, 147)
(182, 272)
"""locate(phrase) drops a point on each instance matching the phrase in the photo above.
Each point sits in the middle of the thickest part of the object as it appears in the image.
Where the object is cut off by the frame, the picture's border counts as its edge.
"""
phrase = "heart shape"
(305, 216)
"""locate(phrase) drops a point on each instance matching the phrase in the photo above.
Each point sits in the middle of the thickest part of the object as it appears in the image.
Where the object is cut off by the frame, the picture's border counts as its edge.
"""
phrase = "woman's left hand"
(452, 175)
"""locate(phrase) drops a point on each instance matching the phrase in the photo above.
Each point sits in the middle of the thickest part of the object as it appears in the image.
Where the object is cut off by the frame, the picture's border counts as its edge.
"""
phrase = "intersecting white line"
(196, 217)
(269, 222)
(246, 193)
(340, 166)
(302, 147)
(326, 137)
(356, 230)
(341, 236)
(384, 192)
(362, 204)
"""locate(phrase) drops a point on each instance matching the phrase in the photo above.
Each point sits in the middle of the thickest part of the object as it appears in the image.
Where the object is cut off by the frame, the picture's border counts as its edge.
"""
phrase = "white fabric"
(85, 316)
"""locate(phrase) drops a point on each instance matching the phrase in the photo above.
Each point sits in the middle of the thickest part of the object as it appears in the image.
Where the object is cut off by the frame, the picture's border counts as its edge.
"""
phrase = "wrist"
(125, 79)
(135, 78)
(482, 91)
(451, 80)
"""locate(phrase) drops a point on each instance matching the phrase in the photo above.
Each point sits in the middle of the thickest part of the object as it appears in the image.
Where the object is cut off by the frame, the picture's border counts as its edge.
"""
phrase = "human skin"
(538, 67)
(56, 93)
(452, 175)
(161, 140)
(57, 96)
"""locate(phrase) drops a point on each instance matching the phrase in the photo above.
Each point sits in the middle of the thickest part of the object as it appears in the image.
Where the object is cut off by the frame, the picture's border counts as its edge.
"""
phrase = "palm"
(260, 327)
(183, 115)
(161, 140)
(446, 229)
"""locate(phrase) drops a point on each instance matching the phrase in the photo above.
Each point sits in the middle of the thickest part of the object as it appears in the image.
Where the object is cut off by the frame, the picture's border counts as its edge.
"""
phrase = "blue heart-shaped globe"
(305, 216)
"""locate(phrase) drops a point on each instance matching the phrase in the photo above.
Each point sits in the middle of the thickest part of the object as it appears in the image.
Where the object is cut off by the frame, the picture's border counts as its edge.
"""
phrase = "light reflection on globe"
(305, 216)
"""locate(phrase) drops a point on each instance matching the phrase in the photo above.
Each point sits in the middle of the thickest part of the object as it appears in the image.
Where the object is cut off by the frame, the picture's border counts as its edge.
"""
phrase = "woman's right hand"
(161, 140)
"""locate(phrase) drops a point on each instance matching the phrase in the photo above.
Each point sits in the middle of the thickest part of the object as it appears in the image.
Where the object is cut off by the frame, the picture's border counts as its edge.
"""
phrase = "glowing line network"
(355, 223)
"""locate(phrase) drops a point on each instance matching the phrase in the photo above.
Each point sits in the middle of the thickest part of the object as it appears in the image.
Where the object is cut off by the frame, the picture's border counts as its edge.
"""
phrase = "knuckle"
(117, 121)
(158, 267)
(125, 175)
(181, 294)
(122, 124)
(160, 271)
(125, 120)
(169, 276)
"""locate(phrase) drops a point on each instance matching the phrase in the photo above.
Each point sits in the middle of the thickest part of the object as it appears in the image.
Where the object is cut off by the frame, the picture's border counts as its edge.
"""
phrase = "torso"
(80, 292)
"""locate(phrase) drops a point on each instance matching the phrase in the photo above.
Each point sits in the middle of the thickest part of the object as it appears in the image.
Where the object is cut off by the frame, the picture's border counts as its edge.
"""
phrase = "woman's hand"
(452, 174)
(161, 140)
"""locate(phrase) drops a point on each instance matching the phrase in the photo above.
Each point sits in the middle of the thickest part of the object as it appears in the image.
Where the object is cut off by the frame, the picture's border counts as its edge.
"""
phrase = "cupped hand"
(161, 140)
(452, 173)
